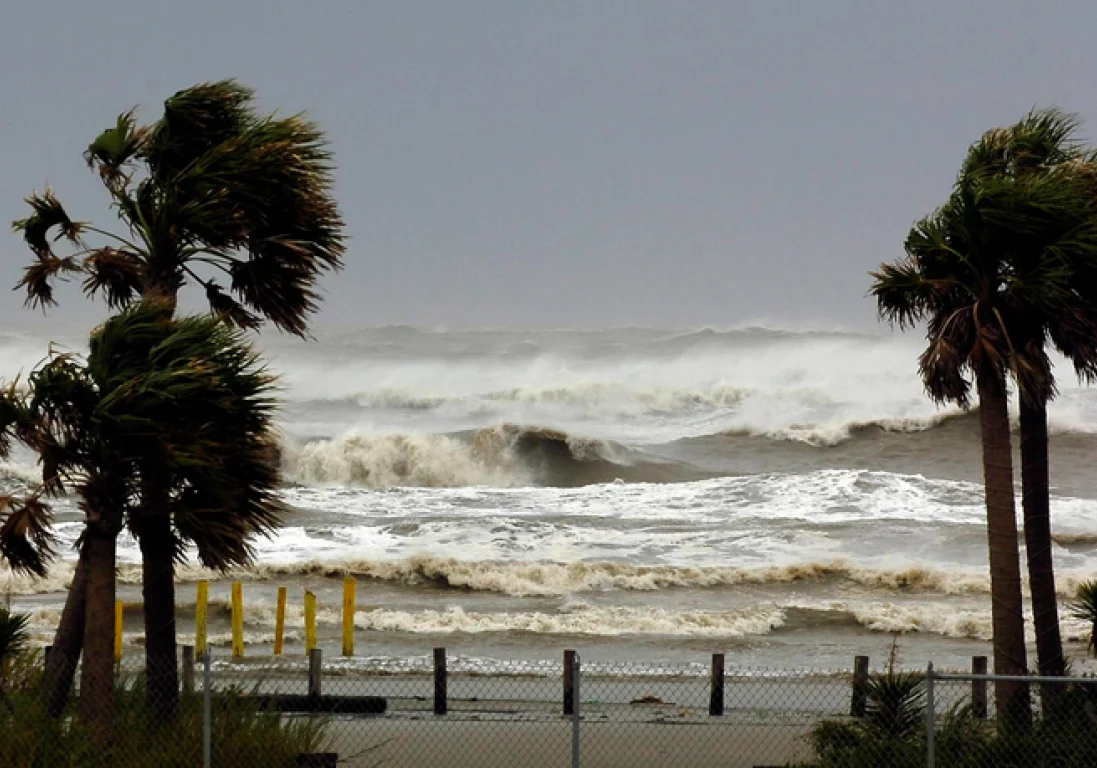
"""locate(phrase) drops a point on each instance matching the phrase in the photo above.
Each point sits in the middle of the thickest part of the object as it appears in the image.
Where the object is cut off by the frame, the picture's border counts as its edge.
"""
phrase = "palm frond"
(14, 635)
(117, 273)
(27, 541)
(1084, 605)
(38, 278)
(115, 149)
(196, 120)
(228, 309)
(47, 214)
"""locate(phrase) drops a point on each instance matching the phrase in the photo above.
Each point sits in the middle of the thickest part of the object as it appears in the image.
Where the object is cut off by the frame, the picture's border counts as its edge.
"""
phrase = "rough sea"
(789, 498)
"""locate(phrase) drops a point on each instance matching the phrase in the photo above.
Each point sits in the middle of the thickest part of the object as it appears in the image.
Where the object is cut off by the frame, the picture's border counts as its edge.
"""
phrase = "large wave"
(500, 456)
(554, 579)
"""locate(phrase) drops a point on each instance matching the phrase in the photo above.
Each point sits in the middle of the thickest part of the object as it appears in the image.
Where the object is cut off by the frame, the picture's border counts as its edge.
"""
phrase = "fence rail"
(455, 711)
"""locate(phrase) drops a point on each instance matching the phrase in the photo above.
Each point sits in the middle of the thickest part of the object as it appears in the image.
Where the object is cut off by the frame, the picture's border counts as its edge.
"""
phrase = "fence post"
(119, 613)
(569, 681)
(860, 686)
(318, 760)
(237, 619)
(575, 676)
(310, 622)
(348, 615)
(716, 695)
(188, 669)
(440, 703)
(207, 712)
(200, 617)
(931, 751)
(280, 621)
(315, 660)
(979, 687)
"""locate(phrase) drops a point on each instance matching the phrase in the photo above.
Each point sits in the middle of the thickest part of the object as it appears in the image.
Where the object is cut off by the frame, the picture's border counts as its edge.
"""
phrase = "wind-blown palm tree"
(212, 187)
(977, 271)
(1044, 143)
(186, 395)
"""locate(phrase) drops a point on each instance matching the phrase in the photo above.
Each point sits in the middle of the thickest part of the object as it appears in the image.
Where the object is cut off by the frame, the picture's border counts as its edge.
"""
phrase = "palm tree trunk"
(1007, 614)
(158, 590)
(158, 565)
(1041, 572)
(97, 672)
(68, 642)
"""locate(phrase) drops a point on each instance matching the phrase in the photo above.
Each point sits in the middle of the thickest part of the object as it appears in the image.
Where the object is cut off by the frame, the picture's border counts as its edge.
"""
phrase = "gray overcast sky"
(571, 164)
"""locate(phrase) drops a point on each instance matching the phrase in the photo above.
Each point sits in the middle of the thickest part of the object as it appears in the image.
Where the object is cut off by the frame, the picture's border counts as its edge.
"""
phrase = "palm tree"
(1044, 143)
(211, 187)
(977, 271)
(187, 395)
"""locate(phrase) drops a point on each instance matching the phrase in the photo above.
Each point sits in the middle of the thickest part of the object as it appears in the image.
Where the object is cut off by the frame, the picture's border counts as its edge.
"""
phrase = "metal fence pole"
(575, 712)
(207, 715)
(931, 756)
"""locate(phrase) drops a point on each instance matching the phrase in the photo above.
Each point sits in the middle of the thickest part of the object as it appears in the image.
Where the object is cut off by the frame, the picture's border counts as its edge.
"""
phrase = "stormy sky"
(578, 164)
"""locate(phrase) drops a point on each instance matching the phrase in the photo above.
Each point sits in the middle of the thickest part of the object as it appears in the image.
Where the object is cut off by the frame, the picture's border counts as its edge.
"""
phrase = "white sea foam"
(384, 461)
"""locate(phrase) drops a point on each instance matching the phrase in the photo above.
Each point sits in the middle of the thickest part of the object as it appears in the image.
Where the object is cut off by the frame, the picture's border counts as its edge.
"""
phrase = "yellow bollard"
(237, 619)
(310, 621)
(280, 621)
(348, 616)
(200, 618)
(119, 609)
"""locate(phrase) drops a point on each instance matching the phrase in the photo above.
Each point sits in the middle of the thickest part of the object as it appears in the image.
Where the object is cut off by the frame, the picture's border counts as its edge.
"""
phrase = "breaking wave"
(553, 579)
(503, 456)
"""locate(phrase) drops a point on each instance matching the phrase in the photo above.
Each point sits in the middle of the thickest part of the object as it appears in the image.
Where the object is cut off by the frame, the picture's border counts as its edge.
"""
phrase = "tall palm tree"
(963, 276)
(1044, 143)
(212, 187)
(187, 395)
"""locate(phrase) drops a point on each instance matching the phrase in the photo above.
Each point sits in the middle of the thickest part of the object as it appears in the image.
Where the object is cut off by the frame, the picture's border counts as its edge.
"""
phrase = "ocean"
(788, 498)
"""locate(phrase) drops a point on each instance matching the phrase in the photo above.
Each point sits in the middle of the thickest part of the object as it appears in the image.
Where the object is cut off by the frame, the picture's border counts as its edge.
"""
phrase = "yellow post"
(280, 621)
(200, 618)
(237, 619)
(310, 621)
(348, 616)
(119, 608)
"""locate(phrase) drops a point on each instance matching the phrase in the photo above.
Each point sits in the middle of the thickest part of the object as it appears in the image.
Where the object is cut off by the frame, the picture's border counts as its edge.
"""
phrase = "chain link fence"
(437, 711)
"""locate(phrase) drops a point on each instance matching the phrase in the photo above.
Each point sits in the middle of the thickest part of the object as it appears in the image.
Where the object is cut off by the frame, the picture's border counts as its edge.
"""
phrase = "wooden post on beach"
(348, 615)
(237, 619)
(440, 703)
(569, 682)
(315, 662)
(119, 611)
(188, 669)
(280, 621)
(200, 618)
(716, 694)
(310, 622)
(860, 686)
(979, 687)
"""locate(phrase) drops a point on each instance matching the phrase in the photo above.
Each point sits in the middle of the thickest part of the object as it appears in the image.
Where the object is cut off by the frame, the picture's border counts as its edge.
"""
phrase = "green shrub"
(244, 734)
(895, 703)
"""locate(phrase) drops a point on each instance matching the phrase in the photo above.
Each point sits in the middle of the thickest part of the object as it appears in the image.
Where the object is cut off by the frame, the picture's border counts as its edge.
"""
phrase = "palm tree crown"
(210, 183)
(187, 394)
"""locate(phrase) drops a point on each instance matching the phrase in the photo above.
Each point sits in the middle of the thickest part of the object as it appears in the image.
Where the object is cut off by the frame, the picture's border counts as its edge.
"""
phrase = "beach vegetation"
(243, 731)
(1084, 607)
